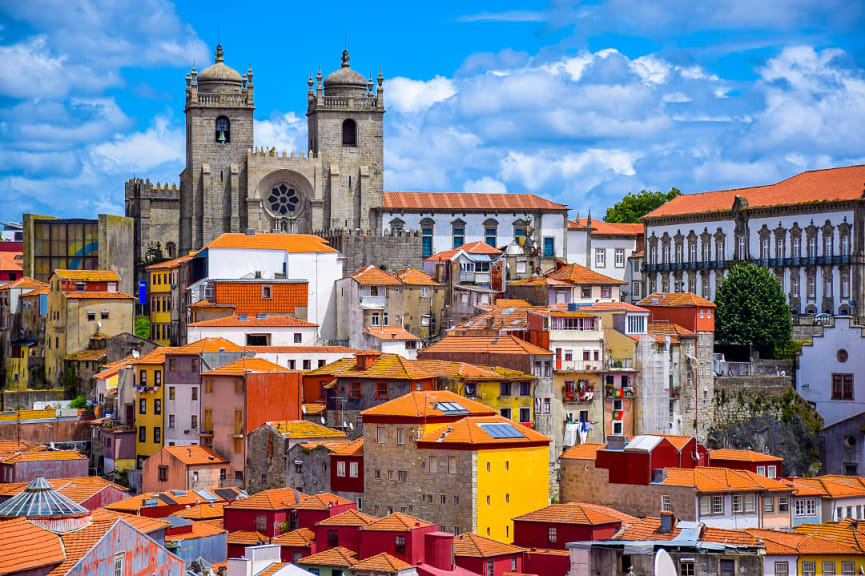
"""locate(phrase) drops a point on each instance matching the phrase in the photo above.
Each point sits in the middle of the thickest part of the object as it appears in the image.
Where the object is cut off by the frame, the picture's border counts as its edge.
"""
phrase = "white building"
(802, 228)
(281, 256)
(603, 247)
(392, 340)
(831, 371)
(449, 220)
(302, 357)
(258, 330)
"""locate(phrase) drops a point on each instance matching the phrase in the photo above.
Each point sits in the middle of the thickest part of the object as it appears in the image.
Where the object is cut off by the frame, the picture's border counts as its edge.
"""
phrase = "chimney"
(366, 359)
(668, 522)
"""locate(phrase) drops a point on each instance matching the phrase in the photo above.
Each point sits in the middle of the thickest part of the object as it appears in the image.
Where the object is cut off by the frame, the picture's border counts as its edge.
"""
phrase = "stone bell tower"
(219, 107)
(345, 129)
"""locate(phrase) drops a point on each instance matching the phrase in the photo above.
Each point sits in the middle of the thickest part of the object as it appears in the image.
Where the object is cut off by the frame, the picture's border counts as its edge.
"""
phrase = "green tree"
(78, 402)
(752, 309)
(142, 326)
(634, 206)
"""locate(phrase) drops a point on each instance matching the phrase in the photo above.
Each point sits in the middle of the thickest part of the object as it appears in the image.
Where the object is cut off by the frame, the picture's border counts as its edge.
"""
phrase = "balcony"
(373, 302)
(620, 363)
(573, 395)
(623, 392)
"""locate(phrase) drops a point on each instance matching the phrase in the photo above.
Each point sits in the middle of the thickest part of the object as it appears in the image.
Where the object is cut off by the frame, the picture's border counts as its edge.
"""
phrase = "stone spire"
(220, 55)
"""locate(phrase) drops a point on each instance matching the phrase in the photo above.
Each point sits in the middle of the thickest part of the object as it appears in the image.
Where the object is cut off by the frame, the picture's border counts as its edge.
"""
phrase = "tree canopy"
(634, 206)
(752, 309)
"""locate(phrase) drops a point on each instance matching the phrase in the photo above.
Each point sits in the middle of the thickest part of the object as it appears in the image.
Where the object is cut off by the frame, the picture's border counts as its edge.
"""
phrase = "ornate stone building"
(228, 185)
(807, 229)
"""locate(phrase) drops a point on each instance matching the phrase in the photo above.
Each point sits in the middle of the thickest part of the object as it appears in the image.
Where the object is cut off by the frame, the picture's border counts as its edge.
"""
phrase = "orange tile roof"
(612, 306)
(313, 408)
(254, 322)
(466, 201)
(275, 499)
(207, 345)
(243, 366)
(491, 344)
(390, 333)
(17, 446)
(142, 523)
(386, 365)
(11, 261)
(511, 303)
(601, 228)
(37, 292)
(247, 537)
(470, 248)
(155, 356)
(381, 562)
(668, 329)
(304, 429)
(291, 243)
(76, 489)
(423, 405)
(43, 455)
(576, 274)
(415, 277)
(729, 537)
(675, 299)
(302, 350)
(577, 513)
(471, 545)
(846, 532)
(88, 355)
(350, 517)
(24, 282)
(778, 543)
(135, 503)
(330, 445)
(707, 479)
(460, 370)
(587, 451)
(321, 501)
(25, 546)
(813, 186)
(99, 295)
(300, 538)
(206, 511)
(742, 456)
(374, 276)
(199, 530)
(170, 264)
(88, 275)
(469, 431)
(828, 486)
(397, 522)
(194, 455)
(245, 296)
(336, 556)
(679, 441)
(645, 529)
(272, 569)
(350, 449)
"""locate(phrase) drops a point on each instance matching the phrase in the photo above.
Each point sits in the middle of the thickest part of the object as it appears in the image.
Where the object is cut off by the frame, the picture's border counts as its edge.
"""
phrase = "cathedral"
(229, 185)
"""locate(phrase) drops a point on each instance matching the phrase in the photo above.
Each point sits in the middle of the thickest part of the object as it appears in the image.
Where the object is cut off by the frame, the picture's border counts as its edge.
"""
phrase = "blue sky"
(580, 102)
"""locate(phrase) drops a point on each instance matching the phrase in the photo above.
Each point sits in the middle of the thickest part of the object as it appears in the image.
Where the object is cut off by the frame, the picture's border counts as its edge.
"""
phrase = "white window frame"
(353, 469)
(340, 469)
(618, 428)
(600, 257)
(620, 258)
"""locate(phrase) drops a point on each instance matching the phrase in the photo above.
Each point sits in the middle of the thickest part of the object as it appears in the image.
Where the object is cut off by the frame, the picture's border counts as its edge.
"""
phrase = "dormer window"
(223, 130)
(349, 133)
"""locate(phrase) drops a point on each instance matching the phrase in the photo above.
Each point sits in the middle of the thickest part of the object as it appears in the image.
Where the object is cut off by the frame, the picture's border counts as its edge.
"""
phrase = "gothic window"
(223, 130)
(426, 227)
(349, 133)
(171, 249)
(283, 201)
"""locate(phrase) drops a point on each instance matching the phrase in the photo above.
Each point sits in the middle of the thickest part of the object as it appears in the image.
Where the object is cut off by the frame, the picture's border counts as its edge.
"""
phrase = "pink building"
(183, 468)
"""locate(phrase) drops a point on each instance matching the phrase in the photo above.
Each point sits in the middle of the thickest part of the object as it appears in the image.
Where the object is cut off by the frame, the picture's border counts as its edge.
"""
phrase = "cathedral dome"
(345, 81)
(219, 77)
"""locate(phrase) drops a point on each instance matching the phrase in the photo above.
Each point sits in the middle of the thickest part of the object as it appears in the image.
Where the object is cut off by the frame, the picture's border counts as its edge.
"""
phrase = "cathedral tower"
(219, 107)
(345, 130)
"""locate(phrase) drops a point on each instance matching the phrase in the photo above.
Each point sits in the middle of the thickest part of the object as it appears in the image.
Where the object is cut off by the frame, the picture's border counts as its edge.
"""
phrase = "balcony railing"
(377, 302)
(721, 264)
(578, 395)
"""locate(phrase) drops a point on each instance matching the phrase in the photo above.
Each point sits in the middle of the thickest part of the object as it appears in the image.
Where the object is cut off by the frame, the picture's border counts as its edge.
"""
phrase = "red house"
(635, 461)
(757, 462)
(342, 530)
(397, 534)
(683, 308)
(558, 524)
(296, 544)
(486, 556)
(346, 467)
(313, 509)
(546, 561)
(162, 504)
(264, 512)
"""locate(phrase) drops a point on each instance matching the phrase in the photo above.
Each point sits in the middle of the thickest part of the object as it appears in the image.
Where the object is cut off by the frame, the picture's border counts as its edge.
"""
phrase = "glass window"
(490, 236)
(809, 568)
(459, 236)
(828, 568)
(549, 247)
(340, 468)
(600, 258)
(620, 257)
(782, 569)
(686, 568)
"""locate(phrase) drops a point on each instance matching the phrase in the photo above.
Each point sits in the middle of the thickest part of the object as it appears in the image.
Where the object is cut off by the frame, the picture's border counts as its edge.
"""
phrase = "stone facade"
(271, 463)
(391, 251)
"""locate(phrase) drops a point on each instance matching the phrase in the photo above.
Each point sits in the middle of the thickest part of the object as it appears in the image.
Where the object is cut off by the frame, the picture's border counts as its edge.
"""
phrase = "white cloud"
(28, 70)
(412, 96)
(141, 151)
(285, 132)
(485, 185)
(506, 16)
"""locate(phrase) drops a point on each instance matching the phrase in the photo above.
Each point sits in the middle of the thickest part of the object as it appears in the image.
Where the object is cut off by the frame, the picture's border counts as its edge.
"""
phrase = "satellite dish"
(664, 565)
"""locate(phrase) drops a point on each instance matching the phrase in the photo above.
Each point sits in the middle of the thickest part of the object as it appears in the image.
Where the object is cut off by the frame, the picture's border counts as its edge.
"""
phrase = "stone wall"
(580, 481)
(155, 209)
(392, 251)
(11, 399)
(739, 398)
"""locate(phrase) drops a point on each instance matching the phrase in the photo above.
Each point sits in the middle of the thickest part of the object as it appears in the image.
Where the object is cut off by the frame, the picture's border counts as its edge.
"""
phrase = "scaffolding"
(655, 387)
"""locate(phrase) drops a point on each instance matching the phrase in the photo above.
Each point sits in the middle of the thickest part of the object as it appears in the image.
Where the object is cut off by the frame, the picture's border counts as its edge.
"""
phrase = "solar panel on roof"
(500, 430)
(206, 495)
(167, 499)
(176, 492)
(509, 310)
(450, 408)
(225, 493)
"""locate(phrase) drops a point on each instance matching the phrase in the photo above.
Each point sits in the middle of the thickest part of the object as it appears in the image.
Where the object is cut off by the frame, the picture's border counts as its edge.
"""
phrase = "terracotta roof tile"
(601, 228)
(11, 261)
(135, 503)
(470, 248)
(88, 275)
(730, 454)
(645, 529)
(374, 276)
(612, 306)
(415, 277)
(812, 539)
(337, 556)
(577, 513)
(245, 296)
(813, 186)
(424, 405)
(730, 537)
(199, 530)
(254, 322)
(88, 355)
(490, 344)
(707, 479)
(155, 356)
(576, 274)
(668, 329)
(471, 545)
(845, 532)
(829, 486)
(302, 350)
(194, 455)
(78, 490)
(300, 538)
(679, 441)
(25, 546)
(466, 201)
(350, 517)
(304, 429)
(24, 282)
(247, 537)
(170, 264)
(471, 431)
(143, 523)
(205, 511)
(511, 303)
(350, 449)
(459, 370)
(43, 455)
(272, 569)
(292, 243)
(321, 501)
(675, 299)
(385, 365)
(397, 522)
(390, 333)
(243, 366)
(381, 562)
(275, 499)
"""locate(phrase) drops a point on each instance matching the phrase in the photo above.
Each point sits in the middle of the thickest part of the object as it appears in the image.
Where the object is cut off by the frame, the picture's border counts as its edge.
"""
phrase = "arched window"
(426, 228)
(349, 133)
(171, 249)
(491, 232)
(223, 130)
(458, 232)
(396, 225)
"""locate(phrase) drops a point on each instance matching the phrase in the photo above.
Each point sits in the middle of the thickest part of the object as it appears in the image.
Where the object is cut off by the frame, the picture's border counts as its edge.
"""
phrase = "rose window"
(283, 200)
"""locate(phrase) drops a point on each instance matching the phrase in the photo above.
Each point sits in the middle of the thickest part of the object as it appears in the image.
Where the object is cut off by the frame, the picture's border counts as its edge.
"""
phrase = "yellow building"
(81, 305)
(163, 289)
(149, 403)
